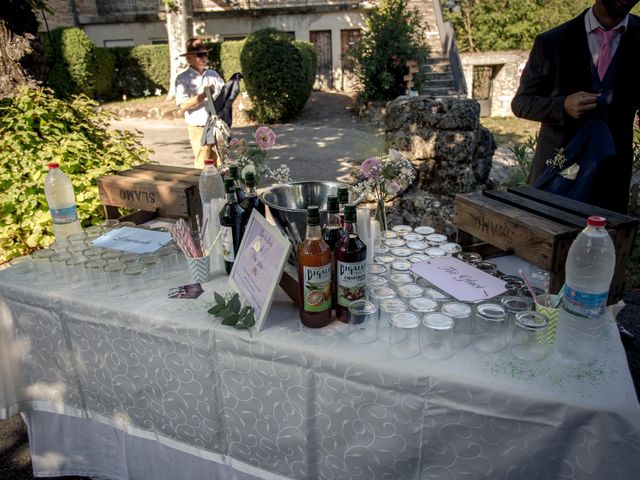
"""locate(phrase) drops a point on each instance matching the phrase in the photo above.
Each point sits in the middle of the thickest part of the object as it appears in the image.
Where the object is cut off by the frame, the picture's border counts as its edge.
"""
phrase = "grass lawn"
(510, 130)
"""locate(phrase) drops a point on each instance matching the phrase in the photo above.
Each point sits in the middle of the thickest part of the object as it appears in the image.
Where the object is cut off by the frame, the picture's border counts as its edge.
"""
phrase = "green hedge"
(105, 73)
(37, 128)
(214, 55)
(71, 62)
(230, 59)
(141, 68)
(308, 51)
(276, 73)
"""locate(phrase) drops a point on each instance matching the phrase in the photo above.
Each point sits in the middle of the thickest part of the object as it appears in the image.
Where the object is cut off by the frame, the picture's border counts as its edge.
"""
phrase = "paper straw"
(528, 285)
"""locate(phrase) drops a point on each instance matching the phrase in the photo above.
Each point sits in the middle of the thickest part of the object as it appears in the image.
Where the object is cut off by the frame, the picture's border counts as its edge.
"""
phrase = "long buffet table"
(118, 388)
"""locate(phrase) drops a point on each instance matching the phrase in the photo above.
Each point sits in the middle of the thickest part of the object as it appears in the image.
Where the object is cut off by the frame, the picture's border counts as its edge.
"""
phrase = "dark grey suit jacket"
(560, 64)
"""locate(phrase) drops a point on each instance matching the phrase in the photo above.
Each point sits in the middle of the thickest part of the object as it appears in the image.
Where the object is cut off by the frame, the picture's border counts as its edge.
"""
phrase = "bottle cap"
(209, 161)
(595, 221)
(343, 194)
(229, 186)
(350, 213)
(313, 215)
(333, 205)
(233, 171)
(250, 179)
(54, 165)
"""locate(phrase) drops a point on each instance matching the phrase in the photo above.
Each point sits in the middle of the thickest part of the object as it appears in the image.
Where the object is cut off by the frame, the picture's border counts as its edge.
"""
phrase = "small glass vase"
(381, 214)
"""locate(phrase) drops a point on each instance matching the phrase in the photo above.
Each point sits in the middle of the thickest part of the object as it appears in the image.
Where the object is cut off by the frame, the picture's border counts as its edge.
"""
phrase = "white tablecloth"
(292, 402)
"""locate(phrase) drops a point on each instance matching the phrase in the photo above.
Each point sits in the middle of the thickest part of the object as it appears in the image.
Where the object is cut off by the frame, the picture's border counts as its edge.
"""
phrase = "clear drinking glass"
(418, 257)
(410, 291)
(404, 337)
(530, 328)
(417, 247)
(111, 256)
(451, 249)
(462, 314)
(469, 257)
(388, 308)
(77, 238)
(424, 230)
(376, 281)
(363, 322)
(423, 305)
(76, 249)
(402, 252)
(513, 306)
(93, 252)
(435, 252)
(413, 237)
(384, 259)
(94, 230)
(114, 276)
(487, 267)
(97, 278)
(436, 336)
(129, 258)
(42, 265)
(59, 264)
(395, 242)
(401, 266)
(77, 277)
(136, 281)
(153, 271)
(168, 259)
(401, 229)
(23, 267)
(399, 279)
(492, 326)
(377, 269)
(109, 224)
(436, 239)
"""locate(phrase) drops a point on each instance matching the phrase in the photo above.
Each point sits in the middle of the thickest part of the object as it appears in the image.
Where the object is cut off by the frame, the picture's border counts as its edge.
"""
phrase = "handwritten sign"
(258, 266)
(133, 240)
(459, 279)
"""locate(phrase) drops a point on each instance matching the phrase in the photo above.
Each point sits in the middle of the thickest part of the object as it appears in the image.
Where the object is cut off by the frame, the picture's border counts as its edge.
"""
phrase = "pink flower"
(265, 137)
(234, 142)
(371, 168)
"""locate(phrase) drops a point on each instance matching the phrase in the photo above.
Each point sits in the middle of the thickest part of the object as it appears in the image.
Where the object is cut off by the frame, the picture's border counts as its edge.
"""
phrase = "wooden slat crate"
(539, 227)
(170, 192)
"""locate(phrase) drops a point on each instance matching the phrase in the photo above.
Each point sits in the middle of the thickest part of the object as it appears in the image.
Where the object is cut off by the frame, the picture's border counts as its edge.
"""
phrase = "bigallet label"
(317, 288)
(352, 281)
(227, 244)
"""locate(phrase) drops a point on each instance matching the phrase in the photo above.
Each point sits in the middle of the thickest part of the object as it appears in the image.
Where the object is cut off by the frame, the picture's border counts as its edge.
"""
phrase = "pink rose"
(265, 137)
(371, 168)
(234, 142)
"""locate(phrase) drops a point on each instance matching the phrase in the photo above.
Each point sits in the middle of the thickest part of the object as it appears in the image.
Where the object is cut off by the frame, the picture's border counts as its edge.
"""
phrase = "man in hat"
(191, 96)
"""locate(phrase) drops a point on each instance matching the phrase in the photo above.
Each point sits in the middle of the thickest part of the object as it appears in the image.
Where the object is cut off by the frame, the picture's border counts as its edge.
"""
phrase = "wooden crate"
(539, 227)
(170, 192)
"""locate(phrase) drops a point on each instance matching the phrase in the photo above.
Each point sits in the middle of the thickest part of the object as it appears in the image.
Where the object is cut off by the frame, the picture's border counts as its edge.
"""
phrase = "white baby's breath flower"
(158, 92)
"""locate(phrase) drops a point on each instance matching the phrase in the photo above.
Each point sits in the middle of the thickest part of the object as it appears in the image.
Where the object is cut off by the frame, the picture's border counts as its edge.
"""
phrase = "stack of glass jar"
(415, 317)
(80, 265)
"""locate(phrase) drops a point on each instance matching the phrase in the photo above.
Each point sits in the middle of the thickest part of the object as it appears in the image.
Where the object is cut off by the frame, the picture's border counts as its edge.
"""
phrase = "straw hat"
(195, 45)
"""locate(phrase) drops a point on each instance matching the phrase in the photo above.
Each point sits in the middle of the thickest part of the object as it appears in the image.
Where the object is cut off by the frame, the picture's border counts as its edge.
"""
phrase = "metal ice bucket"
(288, 205)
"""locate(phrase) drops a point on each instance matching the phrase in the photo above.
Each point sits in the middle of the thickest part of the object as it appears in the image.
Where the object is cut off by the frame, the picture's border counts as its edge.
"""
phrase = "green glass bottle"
(232, 225)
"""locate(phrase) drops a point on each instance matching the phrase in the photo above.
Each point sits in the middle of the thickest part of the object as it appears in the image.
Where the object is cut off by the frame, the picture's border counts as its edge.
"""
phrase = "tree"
(179, 28)
(21, 56)
(392, 35)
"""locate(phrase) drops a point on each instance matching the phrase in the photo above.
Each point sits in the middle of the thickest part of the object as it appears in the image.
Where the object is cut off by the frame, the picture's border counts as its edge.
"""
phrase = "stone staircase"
(440, 80)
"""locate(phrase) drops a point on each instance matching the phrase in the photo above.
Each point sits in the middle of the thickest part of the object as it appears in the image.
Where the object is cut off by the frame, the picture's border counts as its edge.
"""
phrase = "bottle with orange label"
(314, 274)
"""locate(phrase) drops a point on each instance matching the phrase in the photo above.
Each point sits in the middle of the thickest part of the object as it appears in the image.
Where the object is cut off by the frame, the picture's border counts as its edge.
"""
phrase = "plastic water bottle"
(62, 203)
(212, 196)
(588, 273)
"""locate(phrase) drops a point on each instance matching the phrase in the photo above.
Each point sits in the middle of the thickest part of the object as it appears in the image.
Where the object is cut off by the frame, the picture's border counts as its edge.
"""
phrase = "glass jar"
(528, 337)
(114, 278)
(377, 269)
(401, 252)
(422, 305)
(418, 258)
(436, 336)
(469, 257)
(436, 239)
(77, 277)
(513, 306)
(463, 330)
(399, 279)
(424, 230)
(401, 229)
(430, 291)
(135, 281)
(42, 265)
(363, 322)
(388, 235)
(395, 243)
(492, 327)
(374, 281)
(451, 249)
(487, 267)
(401, 266)
(59, 264)
(404, 336)
(94, 231)
(435, 252)
(388, 307)
(111, 256)
(409, 291)
(413, 237)
(384, 259)
(96, 275)
(417, 246)
(77, 238)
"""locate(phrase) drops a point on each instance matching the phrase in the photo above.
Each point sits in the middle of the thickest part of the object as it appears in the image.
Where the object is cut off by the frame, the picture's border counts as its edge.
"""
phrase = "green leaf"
(216, 309)
(244, 311)
(219, 299)
(234, 303)
(249, 320)
(231, 320)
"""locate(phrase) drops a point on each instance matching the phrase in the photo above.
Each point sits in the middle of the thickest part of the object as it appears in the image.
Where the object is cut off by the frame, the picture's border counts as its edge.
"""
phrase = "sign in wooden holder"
(259, 265)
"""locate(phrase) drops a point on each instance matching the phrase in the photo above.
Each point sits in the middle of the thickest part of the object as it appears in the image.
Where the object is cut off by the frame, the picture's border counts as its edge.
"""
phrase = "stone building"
(333, 26)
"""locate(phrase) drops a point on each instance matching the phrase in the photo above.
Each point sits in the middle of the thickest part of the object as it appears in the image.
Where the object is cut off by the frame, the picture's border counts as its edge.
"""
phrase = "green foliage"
(71, 62)
(37, 128)
(230, 59)
(392, 35)
(141, 70)
(276, 75)
(232, 313)
(214, 56)
(310, 59)
(523, 153)
(105, 73)
(490, 25)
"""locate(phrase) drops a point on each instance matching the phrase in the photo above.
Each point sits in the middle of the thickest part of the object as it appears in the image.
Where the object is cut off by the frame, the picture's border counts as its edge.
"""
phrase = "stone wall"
(507, 70)
(449, 149)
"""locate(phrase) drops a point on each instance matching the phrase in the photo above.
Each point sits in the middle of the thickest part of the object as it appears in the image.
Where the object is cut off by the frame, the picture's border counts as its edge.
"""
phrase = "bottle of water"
(62, 203)
(588, 273)
(212, 196)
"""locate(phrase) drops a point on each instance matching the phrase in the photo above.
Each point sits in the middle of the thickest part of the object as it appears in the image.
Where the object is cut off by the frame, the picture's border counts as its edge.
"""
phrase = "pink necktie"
(605, 54)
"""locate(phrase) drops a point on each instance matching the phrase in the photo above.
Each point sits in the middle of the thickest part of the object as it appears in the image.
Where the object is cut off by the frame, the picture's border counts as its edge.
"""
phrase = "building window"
(127, 42)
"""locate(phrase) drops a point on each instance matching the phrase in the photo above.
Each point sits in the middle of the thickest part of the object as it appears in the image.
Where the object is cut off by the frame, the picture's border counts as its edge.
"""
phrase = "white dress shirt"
(191, 83)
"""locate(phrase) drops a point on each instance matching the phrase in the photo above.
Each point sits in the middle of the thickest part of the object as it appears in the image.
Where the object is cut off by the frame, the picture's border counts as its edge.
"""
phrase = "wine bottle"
(351, 266)
(331, 234)
(314, 274)
(235, 175)
(252, 200)
(343, 199)
(231, 224)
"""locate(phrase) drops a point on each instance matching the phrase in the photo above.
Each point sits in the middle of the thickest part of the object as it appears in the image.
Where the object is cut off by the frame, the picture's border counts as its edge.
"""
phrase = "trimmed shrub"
(309, 53)
(276, 75)
(105, 73)
(230, 59)
(141, 70)
(71, 62)
(37, 128)
(214, 56)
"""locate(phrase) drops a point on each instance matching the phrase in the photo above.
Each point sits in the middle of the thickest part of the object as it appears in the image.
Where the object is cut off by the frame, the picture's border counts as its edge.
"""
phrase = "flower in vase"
(266, 138)
(371, 168)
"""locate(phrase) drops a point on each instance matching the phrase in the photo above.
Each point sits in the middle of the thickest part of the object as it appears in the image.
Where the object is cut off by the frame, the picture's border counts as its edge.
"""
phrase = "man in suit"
(570, 68)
